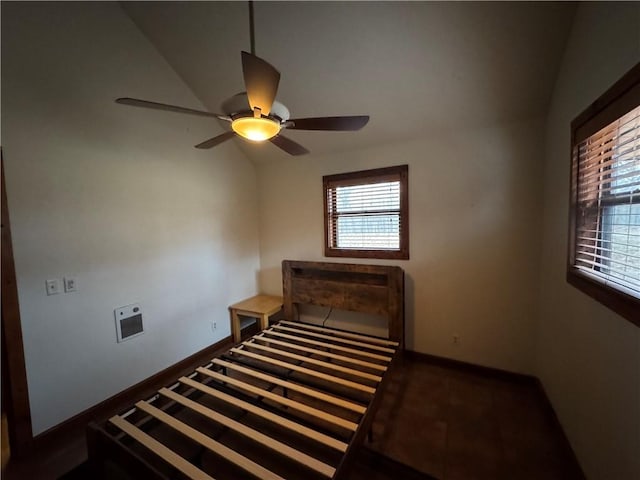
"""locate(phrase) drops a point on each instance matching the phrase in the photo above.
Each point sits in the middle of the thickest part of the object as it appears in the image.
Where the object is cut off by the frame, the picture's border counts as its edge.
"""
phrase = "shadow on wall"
(270, 280)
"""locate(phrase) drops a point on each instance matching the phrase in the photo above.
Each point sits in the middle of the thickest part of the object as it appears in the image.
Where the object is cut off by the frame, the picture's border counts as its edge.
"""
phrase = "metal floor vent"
(128, 322)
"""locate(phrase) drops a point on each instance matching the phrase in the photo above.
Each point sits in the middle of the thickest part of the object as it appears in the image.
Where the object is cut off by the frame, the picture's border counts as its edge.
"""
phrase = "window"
(604, 249)
(367, 214)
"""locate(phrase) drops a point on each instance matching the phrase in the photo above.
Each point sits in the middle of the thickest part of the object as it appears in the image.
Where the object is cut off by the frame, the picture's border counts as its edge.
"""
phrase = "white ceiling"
(414, 67)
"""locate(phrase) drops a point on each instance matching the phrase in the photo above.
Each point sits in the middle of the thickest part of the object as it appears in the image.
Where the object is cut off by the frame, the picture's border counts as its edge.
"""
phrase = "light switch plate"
(70, 284)
(53, 286)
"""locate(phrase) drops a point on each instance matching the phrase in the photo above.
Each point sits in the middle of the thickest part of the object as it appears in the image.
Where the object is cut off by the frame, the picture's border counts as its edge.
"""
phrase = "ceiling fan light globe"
(256, 129)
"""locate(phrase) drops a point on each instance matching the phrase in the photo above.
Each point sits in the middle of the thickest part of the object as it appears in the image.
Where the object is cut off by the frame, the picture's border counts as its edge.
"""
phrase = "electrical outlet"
(53, 286)
(456, 339)
(214, 326)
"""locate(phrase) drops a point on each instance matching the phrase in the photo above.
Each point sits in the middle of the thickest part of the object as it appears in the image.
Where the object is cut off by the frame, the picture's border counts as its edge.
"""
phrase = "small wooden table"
(260, 307)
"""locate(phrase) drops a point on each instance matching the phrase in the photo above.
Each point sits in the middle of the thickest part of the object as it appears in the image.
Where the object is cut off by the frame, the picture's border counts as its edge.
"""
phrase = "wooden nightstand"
(260, 307)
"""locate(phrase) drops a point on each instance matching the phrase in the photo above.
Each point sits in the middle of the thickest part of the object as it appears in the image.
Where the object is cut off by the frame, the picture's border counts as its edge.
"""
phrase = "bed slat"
(314, 361)
(340, 333)
(252, 434)
(336, 339)
(267, 415)
(168, 455)
(307, 371)
(216, 447)
(270, 331)
(293, 386)
(324, 353)
(327, 417)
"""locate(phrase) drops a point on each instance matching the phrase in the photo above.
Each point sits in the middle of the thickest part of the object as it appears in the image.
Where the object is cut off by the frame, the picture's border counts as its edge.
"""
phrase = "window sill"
(623, 304)
(377, 254)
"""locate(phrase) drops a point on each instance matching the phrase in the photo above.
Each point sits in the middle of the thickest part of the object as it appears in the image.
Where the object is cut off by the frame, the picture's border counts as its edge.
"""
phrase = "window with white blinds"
(608, 207)
(605, 248)
(366, 213)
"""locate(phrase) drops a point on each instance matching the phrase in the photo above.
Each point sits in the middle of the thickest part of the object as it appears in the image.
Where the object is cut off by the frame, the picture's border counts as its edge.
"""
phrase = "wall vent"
(128, 322)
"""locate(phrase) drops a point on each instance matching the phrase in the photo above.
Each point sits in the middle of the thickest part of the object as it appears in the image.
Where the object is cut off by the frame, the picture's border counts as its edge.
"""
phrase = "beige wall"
(118, 197)
(474, 216)
(588, 358)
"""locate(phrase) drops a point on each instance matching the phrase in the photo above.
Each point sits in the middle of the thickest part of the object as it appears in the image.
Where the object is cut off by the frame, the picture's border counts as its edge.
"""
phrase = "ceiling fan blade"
(289, 146)
(212, 142)
(329, 123)
(170, 108)
(261, 80)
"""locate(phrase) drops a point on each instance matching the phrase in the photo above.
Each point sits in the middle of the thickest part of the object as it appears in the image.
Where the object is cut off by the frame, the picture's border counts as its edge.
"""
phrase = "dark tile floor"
(459, 425)
(446, 422)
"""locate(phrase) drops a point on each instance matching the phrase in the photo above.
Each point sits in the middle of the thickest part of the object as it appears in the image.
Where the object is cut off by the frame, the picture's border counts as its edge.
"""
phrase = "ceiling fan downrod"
(251, 32)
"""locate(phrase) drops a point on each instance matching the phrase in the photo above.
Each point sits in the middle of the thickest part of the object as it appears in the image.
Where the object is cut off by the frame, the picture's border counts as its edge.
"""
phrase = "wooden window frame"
(362, 178)
(15, 391)
(622, 97)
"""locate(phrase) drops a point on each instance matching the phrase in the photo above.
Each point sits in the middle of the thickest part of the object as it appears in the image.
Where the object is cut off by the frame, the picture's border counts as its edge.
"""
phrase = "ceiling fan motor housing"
(238, 106)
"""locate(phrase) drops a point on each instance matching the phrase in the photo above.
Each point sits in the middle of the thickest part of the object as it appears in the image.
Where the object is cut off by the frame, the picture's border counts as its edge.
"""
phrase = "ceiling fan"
(256, 115)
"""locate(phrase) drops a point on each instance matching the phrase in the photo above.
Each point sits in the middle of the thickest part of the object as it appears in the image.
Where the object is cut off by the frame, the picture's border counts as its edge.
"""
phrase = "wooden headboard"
(372, 289)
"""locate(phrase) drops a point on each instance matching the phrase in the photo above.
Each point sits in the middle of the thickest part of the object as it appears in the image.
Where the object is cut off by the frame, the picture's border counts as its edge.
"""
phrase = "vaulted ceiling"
(416, 68)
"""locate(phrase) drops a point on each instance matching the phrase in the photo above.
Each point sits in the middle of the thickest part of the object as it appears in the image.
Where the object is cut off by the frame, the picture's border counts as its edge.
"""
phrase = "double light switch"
(53, 285)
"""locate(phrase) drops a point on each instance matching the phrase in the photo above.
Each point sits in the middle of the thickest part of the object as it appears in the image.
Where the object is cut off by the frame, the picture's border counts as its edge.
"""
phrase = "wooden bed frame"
(294, 401)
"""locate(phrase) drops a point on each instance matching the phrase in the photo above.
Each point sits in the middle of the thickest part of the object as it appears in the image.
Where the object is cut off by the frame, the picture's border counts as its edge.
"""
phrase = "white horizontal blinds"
(607, 242)
(365, 215)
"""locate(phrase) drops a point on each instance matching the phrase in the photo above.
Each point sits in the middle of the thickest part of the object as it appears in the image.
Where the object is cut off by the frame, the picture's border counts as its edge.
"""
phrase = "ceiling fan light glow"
(256, 129)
